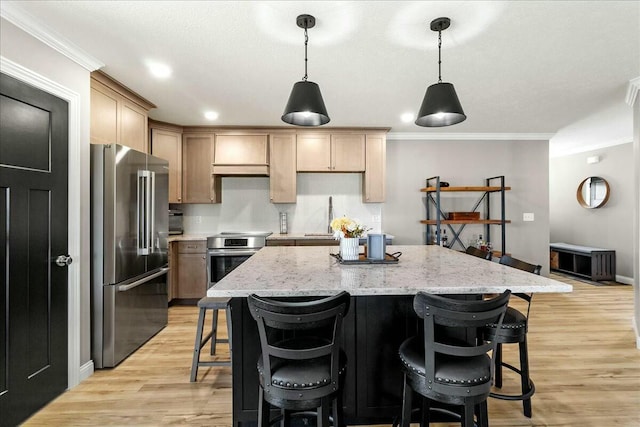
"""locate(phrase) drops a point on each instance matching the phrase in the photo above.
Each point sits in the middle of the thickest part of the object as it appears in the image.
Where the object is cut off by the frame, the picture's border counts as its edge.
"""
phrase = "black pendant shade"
(305, 106)
(440, 107)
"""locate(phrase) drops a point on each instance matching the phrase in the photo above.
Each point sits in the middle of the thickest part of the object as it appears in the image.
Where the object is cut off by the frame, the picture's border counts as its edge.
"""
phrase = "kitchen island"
(380, 317)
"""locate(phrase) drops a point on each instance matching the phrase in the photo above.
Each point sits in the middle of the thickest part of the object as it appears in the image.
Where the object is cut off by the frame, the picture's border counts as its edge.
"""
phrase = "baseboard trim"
(86, 370)
(624, 279)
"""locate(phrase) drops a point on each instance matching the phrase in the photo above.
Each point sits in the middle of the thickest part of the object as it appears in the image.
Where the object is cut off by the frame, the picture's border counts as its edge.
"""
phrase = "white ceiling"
(524, 67)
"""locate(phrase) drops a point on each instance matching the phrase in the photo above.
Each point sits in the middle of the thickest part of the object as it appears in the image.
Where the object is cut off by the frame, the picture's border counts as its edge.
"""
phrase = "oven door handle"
(232, 253)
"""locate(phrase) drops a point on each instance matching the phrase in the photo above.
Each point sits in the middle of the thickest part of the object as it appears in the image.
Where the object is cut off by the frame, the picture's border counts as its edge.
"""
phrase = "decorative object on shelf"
(441, 106)
(348, 231)
(305, 106)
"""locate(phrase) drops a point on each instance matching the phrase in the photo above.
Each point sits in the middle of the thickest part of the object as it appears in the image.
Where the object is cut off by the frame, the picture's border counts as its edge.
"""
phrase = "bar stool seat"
(215, 304)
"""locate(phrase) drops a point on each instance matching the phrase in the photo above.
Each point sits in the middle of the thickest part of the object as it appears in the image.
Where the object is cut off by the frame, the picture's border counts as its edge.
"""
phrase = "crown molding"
(632, 91)
(422, 136)
(26, 22)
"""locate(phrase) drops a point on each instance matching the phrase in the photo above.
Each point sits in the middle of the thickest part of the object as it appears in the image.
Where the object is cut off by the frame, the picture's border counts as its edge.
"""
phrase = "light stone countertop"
(311, 271)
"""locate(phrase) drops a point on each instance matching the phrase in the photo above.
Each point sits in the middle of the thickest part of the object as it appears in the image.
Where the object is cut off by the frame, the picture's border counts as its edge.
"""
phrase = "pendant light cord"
(439, 56)
(306, 41)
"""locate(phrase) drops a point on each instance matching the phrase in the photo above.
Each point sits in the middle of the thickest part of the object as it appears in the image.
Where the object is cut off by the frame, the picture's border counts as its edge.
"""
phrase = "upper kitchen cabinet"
(118, 115)
(166, 143)
(282, 175)
(330, 152)
(241, 154)
(199, 185)
(373, 182)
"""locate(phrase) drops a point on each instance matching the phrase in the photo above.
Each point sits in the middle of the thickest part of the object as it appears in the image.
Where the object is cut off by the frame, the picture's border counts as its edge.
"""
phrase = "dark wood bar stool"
(301, 365)
(447, 370)
(214, 304)
(514, 330)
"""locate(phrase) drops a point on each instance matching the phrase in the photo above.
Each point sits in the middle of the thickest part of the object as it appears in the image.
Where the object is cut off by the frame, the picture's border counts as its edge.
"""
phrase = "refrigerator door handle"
(143, 212)
(151, 212)
(124, 288)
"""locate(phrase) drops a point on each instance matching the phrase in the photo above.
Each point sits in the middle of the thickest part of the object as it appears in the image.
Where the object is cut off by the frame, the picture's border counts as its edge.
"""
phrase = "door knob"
(64, 260)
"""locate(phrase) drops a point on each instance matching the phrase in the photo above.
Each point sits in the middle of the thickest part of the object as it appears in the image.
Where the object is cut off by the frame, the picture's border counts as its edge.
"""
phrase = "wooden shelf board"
(465, 221)
(446, 189)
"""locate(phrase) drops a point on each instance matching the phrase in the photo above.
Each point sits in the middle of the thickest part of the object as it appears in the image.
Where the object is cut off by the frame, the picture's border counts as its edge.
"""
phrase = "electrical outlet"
(527, 216)
(198, 220)
(376, 219)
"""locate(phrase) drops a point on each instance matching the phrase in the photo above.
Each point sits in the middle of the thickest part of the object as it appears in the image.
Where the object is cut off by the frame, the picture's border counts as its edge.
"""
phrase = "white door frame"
(74, 231)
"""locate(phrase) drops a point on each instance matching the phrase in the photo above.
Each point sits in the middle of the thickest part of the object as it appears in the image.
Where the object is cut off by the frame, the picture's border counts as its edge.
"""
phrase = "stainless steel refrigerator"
(129, 229)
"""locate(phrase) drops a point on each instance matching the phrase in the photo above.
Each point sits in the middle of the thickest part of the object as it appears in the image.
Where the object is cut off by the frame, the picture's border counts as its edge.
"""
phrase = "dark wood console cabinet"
(583, 261)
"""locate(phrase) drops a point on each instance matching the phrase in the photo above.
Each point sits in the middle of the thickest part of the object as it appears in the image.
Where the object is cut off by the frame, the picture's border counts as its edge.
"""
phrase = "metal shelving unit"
(438, 218)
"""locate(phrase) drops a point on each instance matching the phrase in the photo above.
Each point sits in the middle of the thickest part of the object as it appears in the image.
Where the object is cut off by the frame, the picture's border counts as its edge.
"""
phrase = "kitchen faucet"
(329, 230)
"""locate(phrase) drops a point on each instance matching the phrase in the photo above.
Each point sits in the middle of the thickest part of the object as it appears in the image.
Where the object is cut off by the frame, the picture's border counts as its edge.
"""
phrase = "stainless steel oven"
(227, 250)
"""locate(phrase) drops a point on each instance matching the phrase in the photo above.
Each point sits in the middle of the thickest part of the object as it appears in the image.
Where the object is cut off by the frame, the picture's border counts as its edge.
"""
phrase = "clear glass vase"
(349, 248)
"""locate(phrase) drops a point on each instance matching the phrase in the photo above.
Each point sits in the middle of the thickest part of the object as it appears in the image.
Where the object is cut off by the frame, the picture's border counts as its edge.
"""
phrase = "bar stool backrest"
(472, 250)
(306, 330)
(437, 310)
(524, 266)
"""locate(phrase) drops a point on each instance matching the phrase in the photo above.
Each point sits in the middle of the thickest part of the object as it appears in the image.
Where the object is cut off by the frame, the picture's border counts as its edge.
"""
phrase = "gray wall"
(19, 47)
(608, 227)
(467, 163)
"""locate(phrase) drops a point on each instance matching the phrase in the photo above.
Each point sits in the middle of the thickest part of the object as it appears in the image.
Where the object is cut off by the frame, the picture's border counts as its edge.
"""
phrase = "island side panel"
(383, 323)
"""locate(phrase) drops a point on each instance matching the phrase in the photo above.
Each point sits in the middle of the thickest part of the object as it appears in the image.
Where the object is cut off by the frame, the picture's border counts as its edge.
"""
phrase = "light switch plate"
(527, 216)
(376, 218)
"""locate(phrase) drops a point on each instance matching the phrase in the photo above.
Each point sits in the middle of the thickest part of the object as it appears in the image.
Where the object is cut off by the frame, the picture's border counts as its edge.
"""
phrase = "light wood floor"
(583, 361)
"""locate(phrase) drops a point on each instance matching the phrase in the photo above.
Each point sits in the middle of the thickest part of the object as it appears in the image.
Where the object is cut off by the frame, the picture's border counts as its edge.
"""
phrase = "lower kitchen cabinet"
(191, 270)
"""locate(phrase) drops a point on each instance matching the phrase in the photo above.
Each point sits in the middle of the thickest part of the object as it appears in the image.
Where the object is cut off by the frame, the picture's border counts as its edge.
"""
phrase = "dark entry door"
(33, 233)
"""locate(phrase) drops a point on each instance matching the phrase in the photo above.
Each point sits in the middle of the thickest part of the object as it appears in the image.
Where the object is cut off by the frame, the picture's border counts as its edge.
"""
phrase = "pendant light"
(441, 106)
(305, 106)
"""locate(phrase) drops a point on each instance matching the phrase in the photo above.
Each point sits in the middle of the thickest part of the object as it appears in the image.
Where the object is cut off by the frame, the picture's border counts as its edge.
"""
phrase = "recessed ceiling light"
(158, 70)
(211, 115)
(407, 117)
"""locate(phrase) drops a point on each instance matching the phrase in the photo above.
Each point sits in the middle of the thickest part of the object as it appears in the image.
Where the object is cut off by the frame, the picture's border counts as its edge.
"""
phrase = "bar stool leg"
(227, 313)
(524, 376)
(497, 376)
(197, 346)
(214, 328)
(406, 404)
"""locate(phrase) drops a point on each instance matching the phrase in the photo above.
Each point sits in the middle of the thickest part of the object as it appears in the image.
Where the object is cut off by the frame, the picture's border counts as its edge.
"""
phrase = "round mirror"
(593, 192)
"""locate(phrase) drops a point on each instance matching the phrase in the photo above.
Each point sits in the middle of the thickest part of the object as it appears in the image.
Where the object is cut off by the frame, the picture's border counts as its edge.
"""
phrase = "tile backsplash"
(245, 205)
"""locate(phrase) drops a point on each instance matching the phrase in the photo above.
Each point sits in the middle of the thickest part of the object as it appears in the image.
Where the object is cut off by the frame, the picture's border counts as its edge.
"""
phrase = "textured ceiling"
(518, 66)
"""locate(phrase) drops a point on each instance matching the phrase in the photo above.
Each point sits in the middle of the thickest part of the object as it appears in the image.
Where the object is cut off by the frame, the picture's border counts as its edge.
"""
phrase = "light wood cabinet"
(282, 181)
(167, 145)
(330, 153)
(373, 182)
(241, 154)
(313, 153)
(347, 153)
(199, 185)
(192, 269)
(118, 115)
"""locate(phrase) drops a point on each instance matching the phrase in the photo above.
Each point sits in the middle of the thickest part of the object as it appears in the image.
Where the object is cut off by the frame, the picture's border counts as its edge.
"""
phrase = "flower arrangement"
(347, 227)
